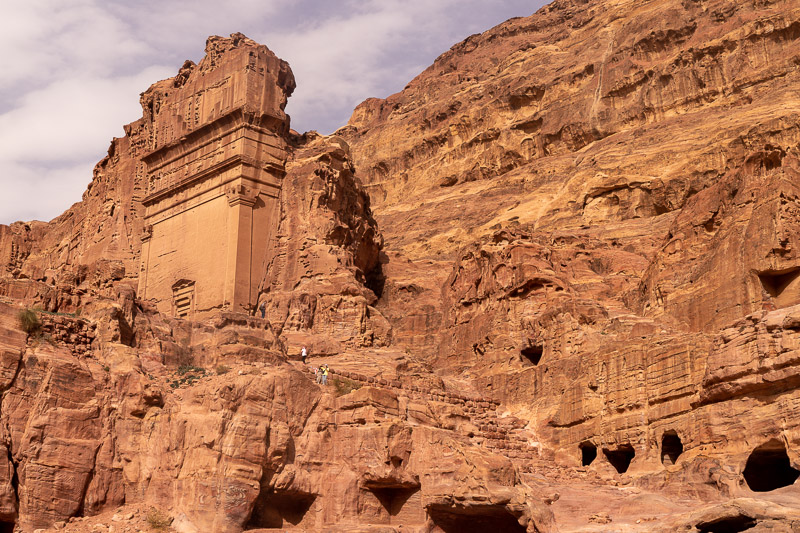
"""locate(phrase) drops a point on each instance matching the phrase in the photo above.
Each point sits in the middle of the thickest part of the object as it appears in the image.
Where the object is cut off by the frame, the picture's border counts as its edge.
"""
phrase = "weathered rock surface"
(108, 401)
(316, 286)
(623, 263)
(565, 298)
(258, 445)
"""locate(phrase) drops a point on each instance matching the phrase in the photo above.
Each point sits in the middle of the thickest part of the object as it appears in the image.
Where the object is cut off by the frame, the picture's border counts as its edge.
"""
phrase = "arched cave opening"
(768, 468)
(277, 510)
(782, 285)
(532, 355)
(671, 447)
(621, 457)
(588, 452)
(730, 524)
(393, 498)
(495, 519)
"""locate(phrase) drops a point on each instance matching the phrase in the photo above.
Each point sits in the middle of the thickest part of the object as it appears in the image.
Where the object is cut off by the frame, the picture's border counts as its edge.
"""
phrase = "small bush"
(344, 386)
(29, 321)
(158, 520)
(223, 369)
(184, 369)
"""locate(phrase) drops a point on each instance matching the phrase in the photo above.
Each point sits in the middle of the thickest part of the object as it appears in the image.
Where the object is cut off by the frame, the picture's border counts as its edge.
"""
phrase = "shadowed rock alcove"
(671, 447)
(730, 524)
(393, 498)
(588, 453)
(276, 510)
(621, 457)
(532, 355)
(768, 468)
(782, 285)
(495, 519)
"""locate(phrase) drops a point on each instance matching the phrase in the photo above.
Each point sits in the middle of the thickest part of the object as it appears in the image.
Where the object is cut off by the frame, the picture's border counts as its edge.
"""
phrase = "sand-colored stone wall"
(213, 180)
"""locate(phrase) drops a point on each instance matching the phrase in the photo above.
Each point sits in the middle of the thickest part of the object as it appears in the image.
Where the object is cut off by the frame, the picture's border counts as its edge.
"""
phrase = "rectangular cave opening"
(393, 498)
(671, 447)
(783, 286)
(494, 518)
(532, 354)
(278, 510)
(588, 453)
(7, 527)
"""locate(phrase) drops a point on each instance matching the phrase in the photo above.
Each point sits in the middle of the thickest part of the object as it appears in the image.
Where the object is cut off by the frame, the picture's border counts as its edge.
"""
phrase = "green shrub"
(29, 321)
(344, 386)
(223, 369)
(158, 520)
(183, 369)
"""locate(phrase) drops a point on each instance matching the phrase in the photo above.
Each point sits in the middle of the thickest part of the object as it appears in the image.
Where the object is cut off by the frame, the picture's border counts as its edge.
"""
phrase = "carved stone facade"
(213, 179)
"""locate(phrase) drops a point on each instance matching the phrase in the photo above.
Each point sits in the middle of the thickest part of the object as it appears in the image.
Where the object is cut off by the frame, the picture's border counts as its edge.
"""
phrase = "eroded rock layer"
(556, 278)
(624, 175)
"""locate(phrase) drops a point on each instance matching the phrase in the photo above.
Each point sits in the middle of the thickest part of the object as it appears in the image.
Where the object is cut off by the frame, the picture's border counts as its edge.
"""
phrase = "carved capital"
(147, 232)
(240, 195)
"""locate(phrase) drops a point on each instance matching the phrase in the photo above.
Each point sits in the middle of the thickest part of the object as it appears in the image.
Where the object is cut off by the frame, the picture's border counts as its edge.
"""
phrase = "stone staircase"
(504, 435)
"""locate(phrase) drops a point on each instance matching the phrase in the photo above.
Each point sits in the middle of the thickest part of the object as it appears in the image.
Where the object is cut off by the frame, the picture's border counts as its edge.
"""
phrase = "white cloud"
(72, 119)
(73, 70)
(38, 189)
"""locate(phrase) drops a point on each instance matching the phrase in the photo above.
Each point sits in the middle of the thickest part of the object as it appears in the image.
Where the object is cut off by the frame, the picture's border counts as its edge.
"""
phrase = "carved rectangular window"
(183, 298)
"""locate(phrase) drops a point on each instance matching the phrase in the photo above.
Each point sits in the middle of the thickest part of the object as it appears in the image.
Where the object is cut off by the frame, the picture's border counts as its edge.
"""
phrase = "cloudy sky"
(73, 70)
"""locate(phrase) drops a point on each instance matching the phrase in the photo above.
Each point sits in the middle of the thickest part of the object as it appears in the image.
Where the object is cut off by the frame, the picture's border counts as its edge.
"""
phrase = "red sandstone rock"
(585, 309)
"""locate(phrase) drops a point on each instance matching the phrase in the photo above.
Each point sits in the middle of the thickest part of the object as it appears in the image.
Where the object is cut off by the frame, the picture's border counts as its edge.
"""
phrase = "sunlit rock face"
(556, 279)
(214, 178)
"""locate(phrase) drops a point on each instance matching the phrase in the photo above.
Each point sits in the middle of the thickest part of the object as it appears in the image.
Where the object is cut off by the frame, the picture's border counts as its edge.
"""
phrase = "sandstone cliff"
(108, 401)
(556, 277)
(623, 174)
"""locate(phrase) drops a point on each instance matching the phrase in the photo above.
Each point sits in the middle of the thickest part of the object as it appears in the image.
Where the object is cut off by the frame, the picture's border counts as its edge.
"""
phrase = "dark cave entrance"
(731, 524)
(375, 279)
(671, 447)
(588, 452)
(6, 527)
(393, 498)
(532, 355)
(782, 285)
(277, 510)
(768, 468)
(494, 519)
(621, 457)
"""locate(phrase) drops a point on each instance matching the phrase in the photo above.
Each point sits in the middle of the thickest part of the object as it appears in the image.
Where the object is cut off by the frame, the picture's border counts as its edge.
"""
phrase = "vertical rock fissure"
(89, 477)
(14, 464)
(14, 482)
